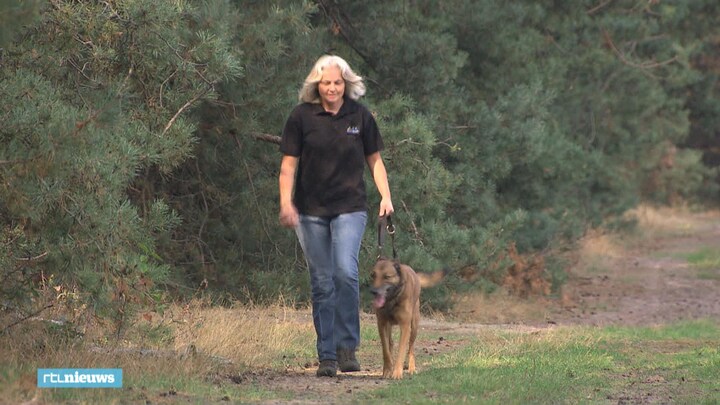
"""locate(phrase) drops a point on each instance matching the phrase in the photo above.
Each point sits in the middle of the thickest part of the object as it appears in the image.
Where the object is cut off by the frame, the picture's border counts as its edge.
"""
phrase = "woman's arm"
(288, 213)
(377, 168)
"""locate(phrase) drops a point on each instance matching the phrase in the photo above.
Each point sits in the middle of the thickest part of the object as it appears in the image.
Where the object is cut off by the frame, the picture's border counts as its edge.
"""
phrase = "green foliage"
(129, 158)
(14, 14)
(17, 288)
(93, 96)
(227, 191)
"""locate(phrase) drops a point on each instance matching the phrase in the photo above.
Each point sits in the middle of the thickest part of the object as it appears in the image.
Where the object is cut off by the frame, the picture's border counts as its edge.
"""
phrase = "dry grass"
(35, 345)
(598, 248)
(248, 336)
(498, 308)
(670, 221)
(178, 351)
(596, 252)
(598, 244)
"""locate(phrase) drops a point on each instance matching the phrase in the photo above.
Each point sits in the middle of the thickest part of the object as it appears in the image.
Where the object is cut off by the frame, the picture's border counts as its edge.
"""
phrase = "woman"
(326, 142)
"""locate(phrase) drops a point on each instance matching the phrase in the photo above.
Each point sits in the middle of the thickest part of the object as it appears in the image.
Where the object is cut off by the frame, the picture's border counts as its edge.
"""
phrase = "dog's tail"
(432, 279)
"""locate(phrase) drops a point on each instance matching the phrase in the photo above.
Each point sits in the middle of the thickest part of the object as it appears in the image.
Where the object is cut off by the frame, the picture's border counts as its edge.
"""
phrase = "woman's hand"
(386, 207)
(289, 216)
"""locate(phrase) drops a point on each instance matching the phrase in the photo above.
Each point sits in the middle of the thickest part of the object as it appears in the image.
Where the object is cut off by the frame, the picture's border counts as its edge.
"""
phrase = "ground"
(650, 283)
(643, 280)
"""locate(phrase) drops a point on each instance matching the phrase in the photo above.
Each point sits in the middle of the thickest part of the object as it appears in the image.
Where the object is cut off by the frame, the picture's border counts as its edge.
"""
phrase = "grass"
(190, 354)
(666, 221)
(677, 363)
(707, 263)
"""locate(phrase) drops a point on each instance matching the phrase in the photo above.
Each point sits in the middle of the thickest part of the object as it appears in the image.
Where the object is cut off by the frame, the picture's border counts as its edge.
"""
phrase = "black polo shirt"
(332, 151)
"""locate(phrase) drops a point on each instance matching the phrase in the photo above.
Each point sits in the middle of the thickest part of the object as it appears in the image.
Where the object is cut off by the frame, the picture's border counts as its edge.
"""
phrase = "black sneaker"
(347, 361)
(327, 368)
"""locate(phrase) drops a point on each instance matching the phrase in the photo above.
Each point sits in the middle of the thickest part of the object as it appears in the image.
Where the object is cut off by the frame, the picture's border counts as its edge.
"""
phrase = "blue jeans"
(331, 246)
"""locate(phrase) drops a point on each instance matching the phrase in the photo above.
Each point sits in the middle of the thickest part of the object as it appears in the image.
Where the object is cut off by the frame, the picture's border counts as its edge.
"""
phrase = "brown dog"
(396, 288)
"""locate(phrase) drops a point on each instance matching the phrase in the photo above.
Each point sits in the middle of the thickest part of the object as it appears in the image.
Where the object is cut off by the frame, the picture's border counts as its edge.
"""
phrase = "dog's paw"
(397, 375)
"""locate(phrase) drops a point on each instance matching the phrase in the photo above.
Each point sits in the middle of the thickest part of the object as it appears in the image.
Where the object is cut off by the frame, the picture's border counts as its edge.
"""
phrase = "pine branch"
(343, 26)
(25, 318)
(183, 108)
(625, 60)
(14, 161)
(266, 137)
(32, 259)
(599, 7)
(412, 224)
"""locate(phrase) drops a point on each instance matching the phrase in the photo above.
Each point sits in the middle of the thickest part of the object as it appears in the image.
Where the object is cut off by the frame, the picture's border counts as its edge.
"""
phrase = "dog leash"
(385, 225)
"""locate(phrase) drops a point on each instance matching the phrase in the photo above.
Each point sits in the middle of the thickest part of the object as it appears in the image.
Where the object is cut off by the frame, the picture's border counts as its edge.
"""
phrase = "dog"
(396, 290)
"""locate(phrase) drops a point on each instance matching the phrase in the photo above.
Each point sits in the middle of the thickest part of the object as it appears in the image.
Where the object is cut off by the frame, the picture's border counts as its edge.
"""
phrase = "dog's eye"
(387, 277)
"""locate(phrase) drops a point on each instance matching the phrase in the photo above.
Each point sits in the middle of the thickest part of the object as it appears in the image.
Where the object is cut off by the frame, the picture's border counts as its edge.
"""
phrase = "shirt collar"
(349, 106)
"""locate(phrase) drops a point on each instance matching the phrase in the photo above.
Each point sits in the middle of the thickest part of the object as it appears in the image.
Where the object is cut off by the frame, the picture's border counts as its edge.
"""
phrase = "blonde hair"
(354, 86)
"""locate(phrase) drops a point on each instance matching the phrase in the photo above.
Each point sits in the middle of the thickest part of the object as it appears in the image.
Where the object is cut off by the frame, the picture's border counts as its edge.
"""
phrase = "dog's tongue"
(379, 301)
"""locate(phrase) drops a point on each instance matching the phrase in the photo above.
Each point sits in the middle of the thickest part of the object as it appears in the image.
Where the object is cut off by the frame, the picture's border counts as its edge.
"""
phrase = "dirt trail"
(649, 283)
(645, 281)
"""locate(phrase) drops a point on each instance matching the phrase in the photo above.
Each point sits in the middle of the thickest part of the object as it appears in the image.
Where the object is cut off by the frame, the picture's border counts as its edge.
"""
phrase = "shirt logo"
(353, 130)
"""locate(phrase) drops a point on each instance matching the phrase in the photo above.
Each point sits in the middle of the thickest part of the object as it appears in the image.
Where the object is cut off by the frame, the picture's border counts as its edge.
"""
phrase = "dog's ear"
(396, 264)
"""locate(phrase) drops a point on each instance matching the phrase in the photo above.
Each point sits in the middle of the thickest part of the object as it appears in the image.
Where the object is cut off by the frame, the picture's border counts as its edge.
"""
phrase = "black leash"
(385, 225)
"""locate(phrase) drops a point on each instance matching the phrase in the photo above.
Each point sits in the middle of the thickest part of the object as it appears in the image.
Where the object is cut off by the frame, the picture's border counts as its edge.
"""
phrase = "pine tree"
(227, 192)
(129, 153)
(95, 95)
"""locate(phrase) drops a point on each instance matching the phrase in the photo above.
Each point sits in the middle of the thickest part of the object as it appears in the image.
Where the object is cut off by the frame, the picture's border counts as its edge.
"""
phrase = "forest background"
(135, 167)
